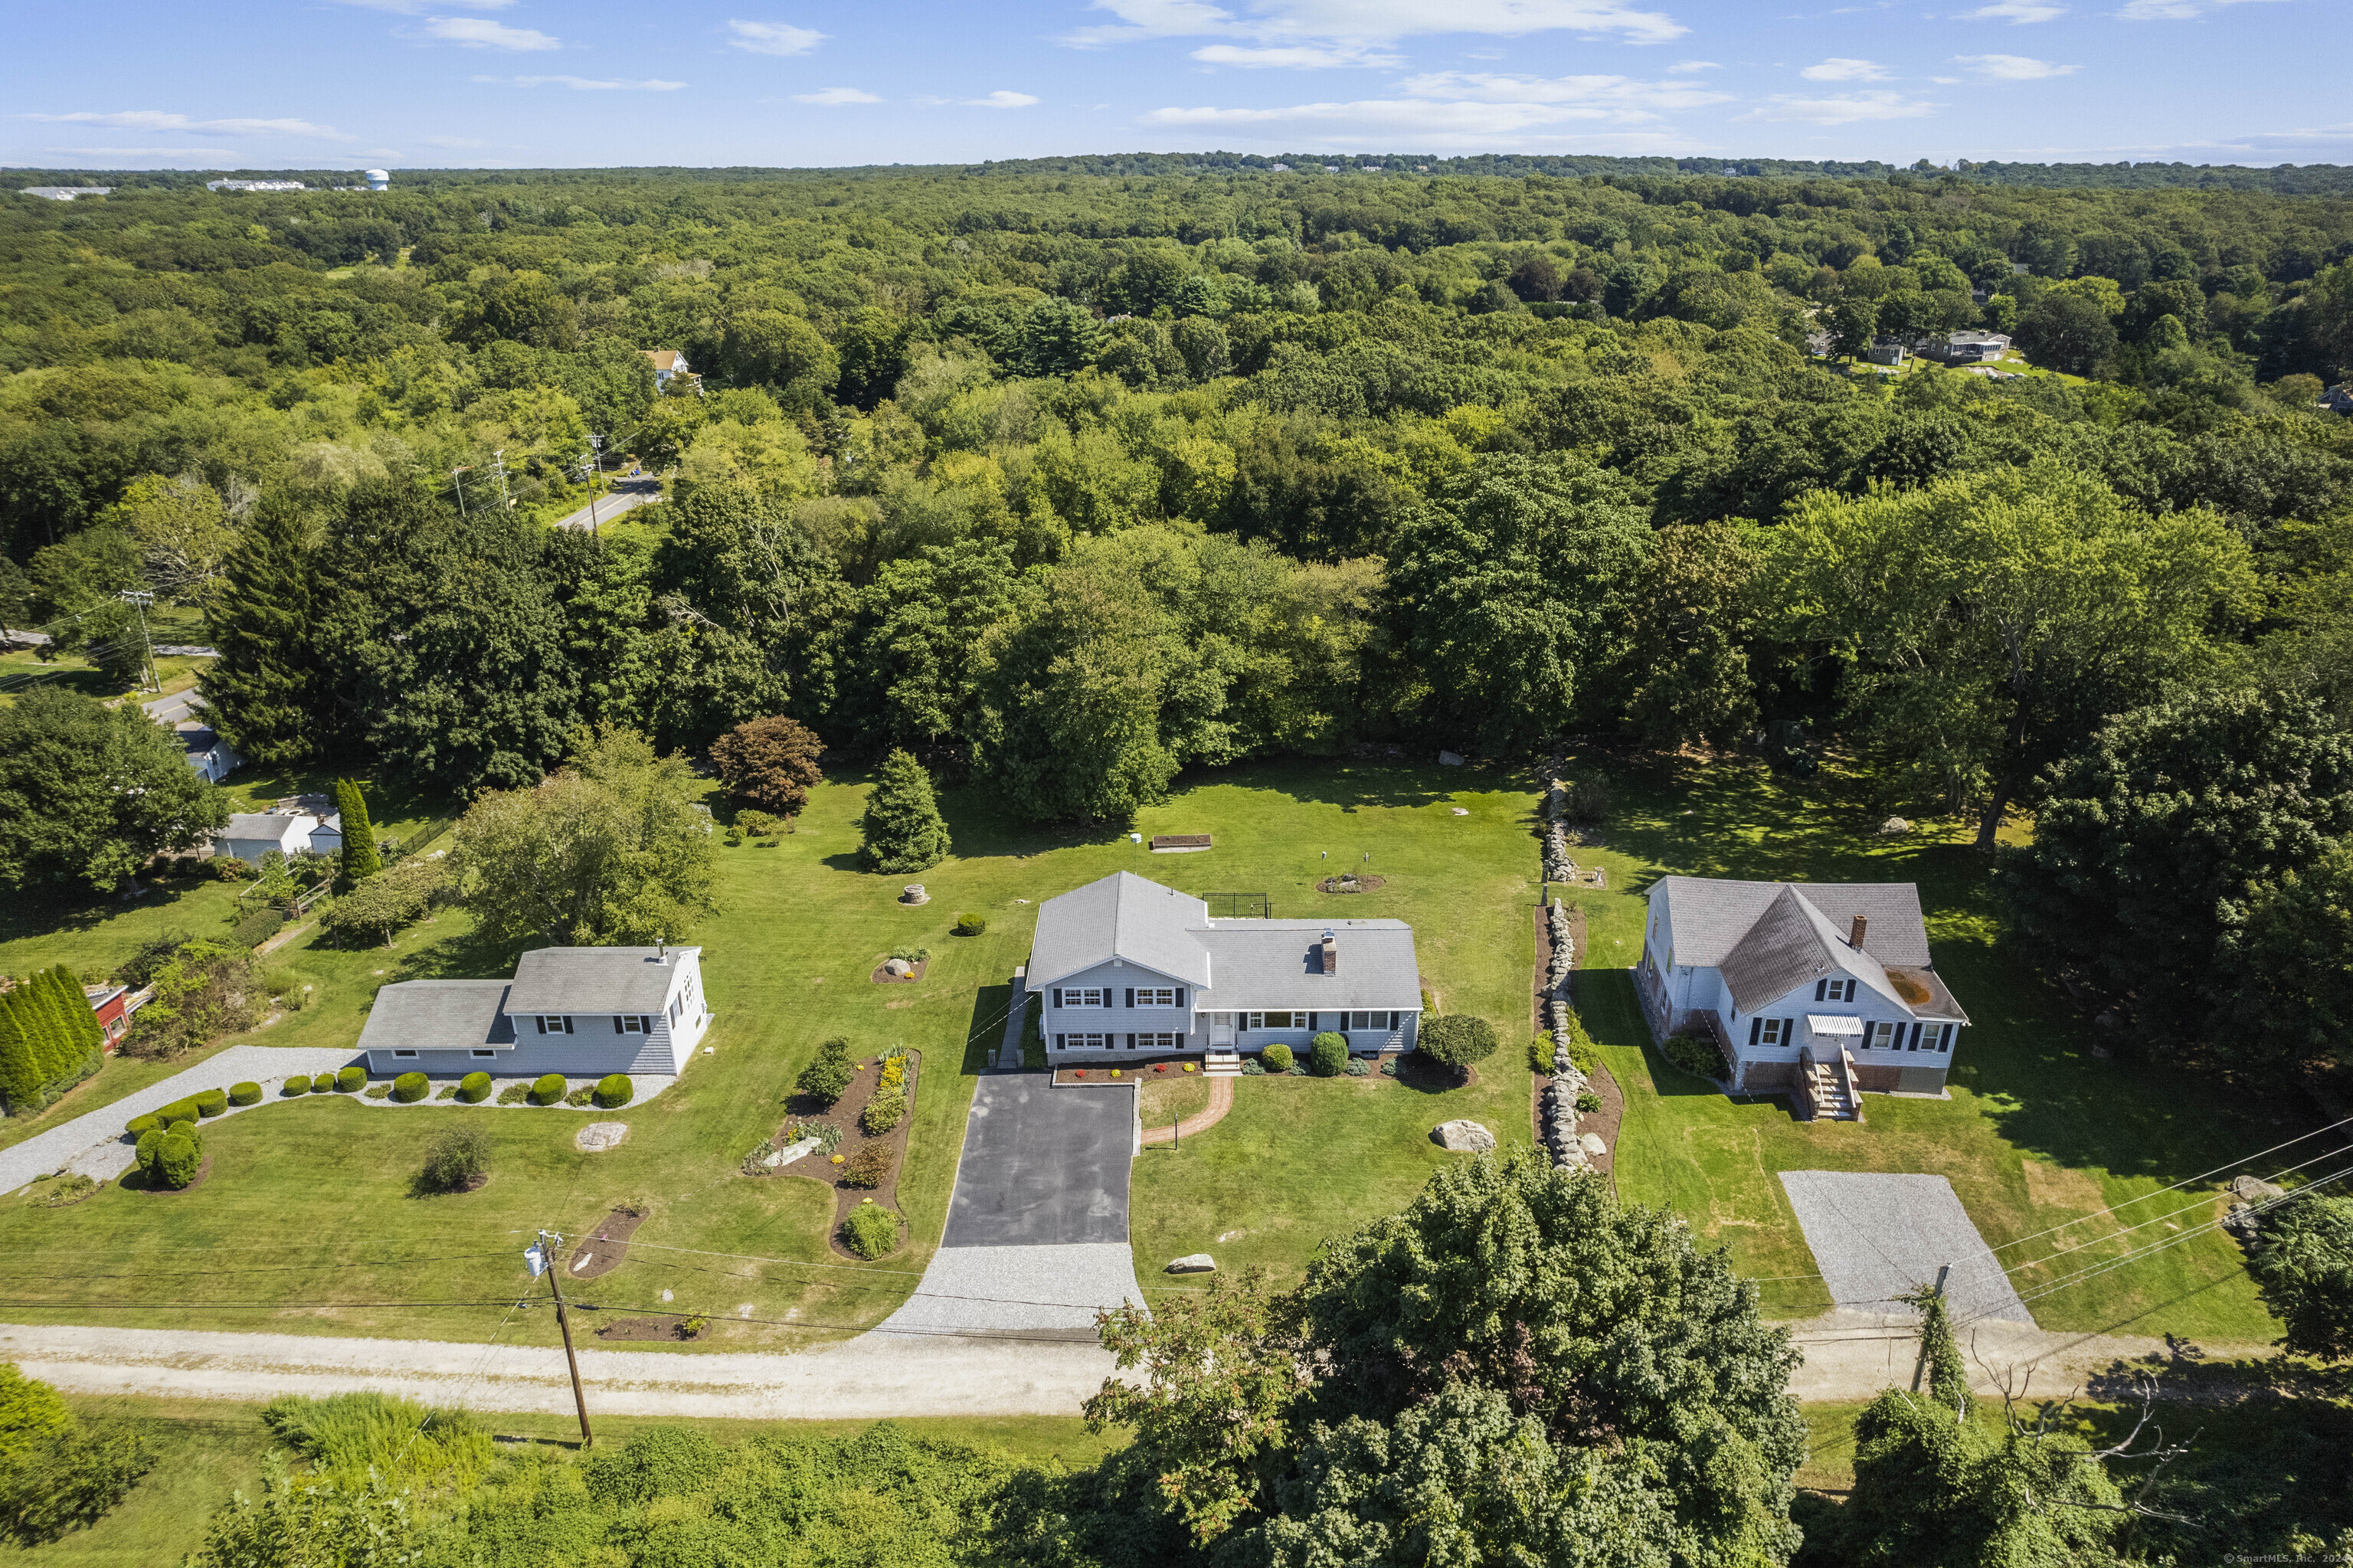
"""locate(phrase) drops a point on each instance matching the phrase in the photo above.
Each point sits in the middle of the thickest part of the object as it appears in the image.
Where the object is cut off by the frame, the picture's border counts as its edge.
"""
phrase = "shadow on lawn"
(984, 1030)
(35, 915)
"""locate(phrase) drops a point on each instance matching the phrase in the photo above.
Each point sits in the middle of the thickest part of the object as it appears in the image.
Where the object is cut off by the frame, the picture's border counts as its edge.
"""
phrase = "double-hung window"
(1357, 1021)
(1082, 1042)
(1834, 990)
(1881, 1036)
(1158, 1042)
(1768, 1030)
(1156, 996)
(554, 1024)
(631, 1023)
(1084, 996)
(1934, 1037)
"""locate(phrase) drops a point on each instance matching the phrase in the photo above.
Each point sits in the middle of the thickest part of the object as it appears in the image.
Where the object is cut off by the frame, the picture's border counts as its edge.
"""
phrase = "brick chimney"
(1331, 954)
(1854, 940)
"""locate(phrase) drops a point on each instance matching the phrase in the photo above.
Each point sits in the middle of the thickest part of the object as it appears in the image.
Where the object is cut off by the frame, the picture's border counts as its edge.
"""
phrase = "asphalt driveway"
(1043, 1166)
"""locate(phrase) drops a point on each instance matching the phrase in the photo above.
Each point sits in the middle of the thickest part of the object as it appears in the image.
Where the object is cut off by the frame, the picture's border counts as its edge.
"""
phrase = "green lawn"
(206, 1449)
(310, 1204)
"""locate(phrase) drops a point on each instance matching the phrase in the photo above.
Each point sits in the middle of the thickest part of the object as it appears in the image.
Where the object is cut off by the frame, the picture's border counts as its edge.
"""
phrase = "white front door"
(1221, 1029)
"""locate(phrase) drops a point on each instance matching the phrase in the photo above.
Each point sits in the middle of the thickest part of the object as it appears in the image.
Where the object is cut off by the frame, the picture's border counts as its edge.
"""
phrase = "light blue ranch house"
(1818, 990)
(580, 1012)
(1129, 967)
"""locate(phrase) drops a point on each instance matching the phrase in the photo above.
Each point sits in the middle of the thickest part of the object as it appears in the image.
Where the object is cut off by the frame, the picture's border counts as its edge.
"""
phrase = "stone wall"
(1558, 1117)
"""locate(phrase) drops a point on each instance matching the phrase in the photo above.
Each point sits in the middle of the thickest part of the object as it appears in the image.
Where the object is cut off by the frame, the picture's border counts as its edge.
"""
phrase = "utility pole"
(596, 455)
(556, 1284)
(1921, 1365)
(461, 489)
(499, 467)
(141, 600)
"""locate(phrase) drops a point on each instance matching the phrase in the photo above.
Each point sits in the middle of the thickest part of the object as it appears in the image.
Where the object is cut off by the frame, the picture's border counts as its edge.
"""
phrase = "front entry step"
(1222, 1065)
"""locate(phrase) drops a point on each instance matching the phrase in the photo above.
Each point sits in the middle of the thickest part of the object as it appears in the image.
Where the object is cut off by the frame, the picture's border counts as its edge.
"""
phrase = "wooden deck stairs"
(1827, 1089)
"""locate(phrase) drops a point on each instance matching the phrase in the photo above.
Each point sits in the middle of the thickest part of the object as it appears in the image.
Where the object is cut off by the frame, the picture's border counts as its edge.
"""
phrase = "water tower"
(377, 179)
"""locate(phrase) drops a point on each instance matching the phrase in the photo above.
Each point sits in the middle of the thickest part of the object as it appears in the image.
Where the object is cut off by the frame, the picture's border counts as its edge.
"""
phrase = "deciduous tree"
(88, 793)
(770, 762)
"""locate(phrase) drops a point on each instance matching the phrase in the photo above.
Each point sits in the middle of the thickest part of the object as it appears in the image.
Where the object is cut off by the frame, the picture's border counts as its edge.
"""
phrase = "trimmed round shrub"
(147, 1139)
(178, 1110)
(1457, 1039)
(547, 1089)
(139, 1124)
(410, 1087)
(177, 1159)
(300, 1083)
(1328, 1056)
(474, 1088)
(351, 1080)
(871, 1230)
(211, 1102)
(971, 925)
(245, 1094)
(181, 1128)
(324, 1084)
(1358, 1067)
(614, 1090)
(1276, 1058)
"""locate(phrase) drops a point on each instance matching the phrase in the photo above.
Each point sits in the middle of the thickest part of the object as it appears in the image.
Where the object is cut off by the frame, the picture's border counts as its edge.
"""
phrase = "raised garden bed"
(1163, 842)
(842, 1116)
(656, 1330)
(1144, 1069)
(884, 977)
(1352, 884)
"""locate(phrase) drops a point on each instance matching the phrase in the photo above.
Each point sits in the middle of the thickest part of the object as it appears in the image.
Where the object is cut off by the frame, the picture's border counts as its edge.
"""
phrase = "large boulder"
(1194, 1263)
(1592, 1145)
(1463, 1136)
(899, 968)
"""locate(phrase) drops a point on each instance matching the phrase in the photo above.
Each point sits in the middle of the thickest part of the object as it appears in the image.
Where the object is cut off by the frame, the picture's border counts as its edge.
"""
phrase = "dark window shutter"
(1131, 998)
(1310, 1020)
(1057, 996)
(1819, 987)
(617, 1024)
(1180, 996)
(1131, 1042)
(1058, 1041)
(541, 1021)
(1756, 1027)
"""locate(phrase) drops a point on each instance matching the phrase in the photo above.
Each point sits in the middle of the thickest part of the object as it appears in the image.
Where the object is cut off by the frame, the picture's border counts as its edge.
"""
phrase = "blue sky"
(332, 83)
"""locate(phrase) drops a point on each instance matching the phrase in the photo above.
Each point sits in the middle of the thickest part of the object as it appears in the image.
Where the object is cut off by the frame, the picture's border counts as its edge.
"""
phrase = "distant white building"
(252, 835)
(65, 193)
(212, 757)
(254, 184)
(1280, 168)
(378, 180)
(668, 362)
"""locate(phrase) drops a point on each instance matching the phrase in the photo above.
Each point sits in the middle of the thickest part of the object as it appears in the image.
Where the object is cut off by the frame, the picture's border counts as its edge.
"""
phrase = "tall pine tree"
(903, 826)
(48, 1027)
(88, 1039)
(263, 690)
(20, 1076)
(361, 859)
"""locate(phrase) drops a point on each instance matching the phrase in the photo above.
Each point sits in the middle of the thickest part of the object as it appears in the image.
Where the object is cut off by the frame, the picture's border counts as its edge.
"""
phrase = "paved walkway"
(1221, 1100)
(1017, 1013)
(913, 1374)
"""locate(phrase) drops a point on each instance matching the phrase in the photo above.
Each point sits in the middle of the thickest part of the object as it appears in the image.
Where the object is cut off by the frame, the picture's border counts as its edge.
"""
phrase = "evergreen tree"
(59, 1053)
(83, 1034)
(903, 826)
(361, 859)
(20, 1076)
(262, 692)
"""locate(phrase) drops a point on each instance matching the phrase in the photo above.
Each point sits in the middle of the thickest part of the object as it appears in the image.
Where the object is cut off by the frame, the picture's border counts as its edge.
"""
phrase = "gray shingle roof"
(1710, 916)
(437, 1015)
(1259, 964)
(1122, 917)
(594, 979)
(271, 825)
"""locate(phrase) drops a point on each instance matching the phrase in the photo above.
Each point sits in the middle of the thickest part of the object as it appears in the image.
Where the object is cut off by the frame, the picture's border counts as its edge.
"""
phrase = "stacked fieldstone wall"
(1558, 1115)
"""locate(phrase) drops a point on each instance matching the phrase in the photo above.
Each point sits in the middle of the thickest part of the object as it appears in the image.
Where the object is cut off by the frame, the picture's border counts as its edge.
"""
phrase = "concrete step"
(1222, 1067)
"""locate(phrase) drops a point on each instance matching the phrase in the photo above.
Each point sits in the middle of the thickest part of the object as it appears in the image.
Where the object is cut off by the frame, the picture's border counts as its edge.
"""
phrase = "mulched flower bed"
(843, 1117)
(884, 977)
(606, 1247)
(654, 1329)
(1352, 885)
(1144, 1069)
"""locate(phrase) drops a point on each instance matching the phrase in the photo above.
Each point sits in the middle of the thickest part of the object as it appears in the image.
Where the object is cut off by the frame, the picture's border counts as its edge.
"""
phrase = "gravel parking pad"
(1874, 1237)
(1035, 1292)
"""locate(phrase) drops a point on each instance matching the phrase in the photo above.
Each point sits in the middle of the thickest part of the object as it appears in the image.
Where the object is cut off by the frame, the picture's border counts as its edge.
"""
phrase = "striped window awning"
(1834, 1024)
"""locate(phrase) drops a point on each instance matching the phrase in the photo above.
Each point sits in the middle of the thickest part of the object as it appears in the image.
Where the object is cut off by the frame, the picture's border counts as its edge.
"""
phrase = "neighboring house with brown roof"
(668, 362)
(1826, 989)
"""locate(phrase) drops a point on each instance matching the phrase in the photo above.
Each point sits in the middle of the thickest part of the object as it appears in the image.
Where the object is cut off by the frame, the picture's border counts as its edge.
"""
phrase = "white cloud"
(411, 8)
(1853, 109)
(1285, 22)
(2016, 12)
(455, 143)
(773, 38)
(162, 120)
(1296, 56)
(2013, 68)
(481, 33)
(834, 97)
(1615, 97)
(1001, 99)
(1682, 67)
(2172, 10)
(145, 151)
(594, 84)
(1838, 69)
